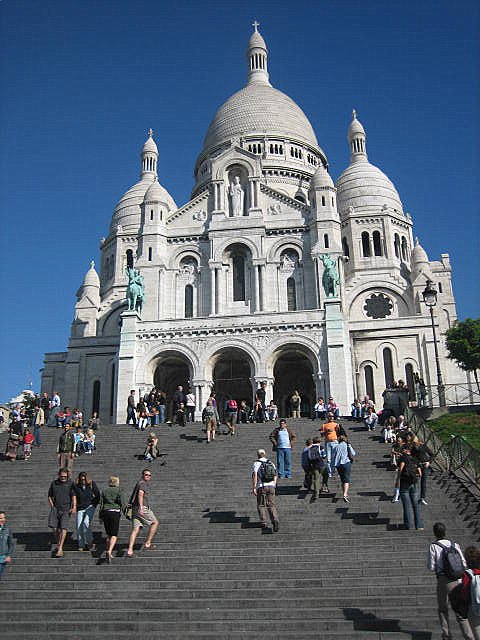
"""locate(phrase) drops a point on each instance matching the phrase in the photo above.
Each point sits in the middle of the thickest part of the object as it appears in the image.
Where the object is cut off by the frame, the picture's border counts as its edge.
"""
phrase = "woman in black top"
(88, 496)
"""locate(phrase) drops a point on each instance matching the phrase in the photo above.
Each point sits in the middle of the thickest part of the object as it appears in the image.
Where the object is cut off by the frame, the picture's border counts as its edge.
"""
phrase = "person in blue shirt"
(342, 458)
(6, 543)
(282, 439)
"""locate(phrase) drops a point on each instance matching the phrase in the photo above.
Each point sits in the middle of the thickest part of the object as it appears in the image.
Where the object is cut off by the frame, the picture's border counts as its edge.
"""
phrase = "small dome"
(156, 193)
(256, 41)
(321, 178)
(91, 277)
(127, 212)
(365, 187)
(150, 145)
(355, 128)
(419, 255)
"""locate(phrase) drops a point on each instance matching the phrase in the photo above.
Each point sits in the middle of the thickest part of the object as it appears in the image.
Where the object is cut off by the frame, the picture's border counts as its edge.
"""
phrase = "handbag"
(128, 508)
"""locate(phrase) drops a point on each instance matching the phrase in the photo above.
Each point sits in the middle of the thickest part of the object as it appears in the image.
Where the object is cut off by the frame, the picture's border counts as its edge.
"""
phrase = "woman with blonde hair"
(87, 498)
(111, 507)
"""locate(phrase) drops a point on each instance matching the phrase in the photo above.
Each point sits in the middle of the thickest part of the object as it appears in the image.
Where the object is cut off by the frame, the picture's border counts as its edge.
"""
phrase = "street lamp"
(430, 299)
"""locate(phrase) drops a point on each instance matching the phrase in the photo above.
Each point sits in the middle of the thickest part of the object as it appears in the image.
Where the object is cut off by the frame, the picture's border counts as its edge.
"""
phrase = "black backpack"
(453, 566)
(410, 470)
(267, 471)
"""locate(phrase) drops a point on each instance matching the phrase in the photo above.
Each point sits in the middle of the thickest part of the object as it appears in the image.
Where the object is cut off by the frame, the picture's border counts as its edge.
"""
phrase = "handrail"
(453, 394)
(456, 456)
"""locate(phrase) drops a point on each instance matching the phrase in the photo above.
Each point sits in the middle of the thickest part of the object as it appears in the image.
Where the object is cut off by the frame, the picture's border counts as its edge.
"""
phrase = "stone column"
(126, 363)
(318, 284)
(262, 286)
(220, 289)
(202, 391)
(256, 288)
(213, 291)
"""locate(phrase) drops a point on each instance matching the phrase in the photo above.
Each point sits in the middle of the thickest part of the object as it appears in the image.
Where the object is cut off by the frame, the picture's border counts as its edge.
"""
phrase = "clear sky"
(83, 80)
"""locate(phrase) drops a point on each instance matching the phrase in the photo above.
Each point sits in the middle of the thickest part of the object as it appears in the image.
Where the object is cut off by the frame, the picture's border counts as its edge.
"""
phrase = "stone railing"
(456, 456)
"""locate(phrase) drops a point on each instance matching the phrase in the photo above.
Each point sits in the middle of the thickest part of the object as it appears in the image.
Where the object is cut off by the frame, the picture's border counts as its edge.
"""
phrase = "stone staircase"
(334, 570)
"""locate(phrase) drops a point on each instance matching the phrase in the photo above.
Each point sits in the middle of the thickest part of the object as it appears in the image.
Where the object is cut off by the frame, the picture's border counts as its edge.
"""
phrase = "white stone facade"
(233, 278)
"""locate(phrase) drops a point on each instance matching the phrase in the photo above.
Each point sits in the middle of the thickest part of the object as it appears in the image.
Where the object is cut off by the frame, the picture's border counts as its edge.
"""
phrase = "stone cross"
(255, 25)
(150, 132)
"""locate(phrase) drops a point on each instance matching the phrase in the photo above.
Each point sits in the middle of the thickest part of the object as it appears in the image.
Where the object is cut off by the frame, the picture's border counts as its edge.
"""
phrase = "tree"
(463, 344)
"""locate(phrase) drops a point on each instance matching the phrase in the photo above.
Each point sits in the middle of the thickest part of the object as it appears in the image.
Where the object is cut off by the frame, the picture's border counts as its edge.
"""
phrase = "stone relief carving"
(260, 342)
(200, 215)
(274, 209)
(188, 270)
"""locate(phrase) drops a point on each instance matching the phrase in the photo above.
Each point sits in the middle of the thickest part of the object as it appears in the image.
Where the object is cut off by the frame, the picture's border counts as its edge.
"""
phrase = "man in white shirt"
(190, 405)
(445, 583)
(264, 489)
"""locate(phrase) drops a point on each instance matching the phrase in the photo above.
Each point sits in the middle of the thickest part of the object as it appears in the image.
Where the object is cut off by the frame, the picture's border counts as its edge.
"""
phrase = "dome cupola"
(357, 139)
(321, 179)
(257, 56)
(149, 156)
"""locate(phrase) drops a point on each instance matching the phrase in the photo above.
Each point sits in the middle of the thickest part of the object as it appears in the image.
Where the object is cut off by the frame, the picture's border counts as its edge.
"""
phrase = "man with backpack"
(264, 482)
(317, 458)
(445, 558)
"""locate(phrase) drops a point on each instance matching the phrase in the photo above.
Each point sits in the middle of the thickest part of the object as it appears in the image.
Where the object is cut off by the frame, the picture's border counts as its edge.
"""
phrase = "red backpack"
(232, 405)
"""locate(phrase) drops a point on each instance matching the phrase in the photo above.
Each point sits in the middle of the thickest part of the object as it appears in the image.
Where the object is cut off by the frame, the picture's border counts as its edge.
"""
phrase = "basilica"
(271, 272)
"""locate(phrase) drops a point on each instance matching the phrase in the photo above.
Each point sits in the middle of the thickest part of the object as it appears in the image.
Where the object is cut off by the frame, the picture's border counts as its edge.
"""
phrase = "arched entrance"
(232, 372)
(293, 370)
(172, 370)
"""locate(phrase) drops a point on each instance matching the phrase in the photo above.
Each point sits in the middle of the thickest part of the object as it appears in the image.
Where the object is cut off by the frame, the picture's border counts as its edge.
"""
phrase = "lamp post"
(430, 299)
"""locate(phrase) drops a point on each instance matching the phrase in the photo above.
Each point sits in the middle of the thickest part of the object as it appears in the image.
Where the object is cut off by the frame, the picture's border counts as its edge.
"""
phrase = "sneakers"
(395, 499)
(275, 526)
(423, 501)
(346, 499)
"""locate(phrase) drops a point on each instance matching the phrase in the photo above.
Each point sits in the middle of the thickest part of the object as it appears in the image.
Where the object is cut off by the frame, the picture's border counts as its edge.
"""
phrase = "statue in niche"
(135, 290)
(237, 196)
(289, 261)
(330, 278)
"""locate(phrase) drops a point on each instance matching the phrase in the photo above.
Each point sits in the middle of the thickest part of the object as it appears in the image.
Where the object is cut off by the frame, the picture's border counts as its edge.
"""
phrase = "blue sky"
(83, 80)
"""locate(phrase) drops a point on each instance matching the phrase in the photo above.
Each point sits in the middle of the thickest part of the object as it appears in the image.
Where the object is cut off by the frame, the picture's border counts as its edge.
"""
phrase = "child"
(389, 430)
(180, 416)
(89, 442)
(28, 440)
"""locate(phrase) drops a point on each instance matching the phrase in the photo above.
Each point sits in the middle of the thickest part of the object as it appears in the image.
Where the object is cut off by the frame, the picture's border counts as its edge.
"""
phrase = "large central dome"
(259, 109)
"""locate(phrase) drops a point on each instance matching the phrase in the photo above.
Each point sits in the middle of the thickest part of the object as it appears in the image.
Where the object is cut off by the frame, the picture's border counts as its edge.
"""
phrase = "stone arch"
(222, 168)
(281, 245)
(231, 369)
(147, 364)
(110, 323)
(220, 249)
(294, 366)
(379, 353)
(359, 293)
(189, 251)
(208, 359)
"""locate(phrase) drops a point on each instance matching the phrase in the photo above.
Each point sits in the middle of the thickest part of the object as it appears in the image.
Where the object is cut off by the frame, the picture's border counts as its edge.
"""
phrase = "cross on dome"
(255, 25)
(354, 114)
(150, 132)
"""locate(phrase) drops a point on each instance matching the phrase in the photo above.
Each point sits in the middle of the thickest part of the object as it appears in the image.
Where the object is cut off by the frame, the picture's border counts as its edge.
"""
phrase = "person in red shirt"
(28, 440)
(472, 557)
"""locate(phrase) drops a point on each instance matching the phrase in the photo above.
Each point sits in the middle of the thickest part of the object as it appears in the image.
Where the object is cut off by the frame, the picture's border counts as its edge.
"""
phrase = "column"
(317, 281)
(213, 292)
(256, 287)
(262, 287)
(220, 289)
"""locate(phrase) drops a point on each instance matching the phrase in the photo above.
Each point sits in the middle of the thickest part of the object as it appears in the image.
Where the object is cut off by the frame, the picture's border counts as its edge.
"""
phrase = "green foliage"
(466, 425)
(463, 344)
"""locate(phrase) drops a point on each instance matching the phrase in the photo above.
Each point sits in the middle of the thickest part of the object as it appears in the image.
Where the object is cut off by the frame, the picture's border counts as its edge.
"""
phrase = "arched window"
(238, 277)
(366, 244)
(409, 380)
(396, 245)
(326, 243)
(112, 389)
(129, 259)
(377, 243)
(189, 301)
(345, 247)
(388, 367)
(151, 214)
(149, 254)
(96, 396)
(291, 294)
(323, 201)
(369, 385)
(404, 248)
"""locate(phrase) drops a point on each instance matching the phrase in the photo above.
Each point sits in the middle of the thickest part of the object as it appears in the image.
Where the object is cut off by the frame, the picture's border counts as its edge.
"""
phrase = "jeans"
(161, 412)
(320, 415)
(423, 482)
(356, 412)
(331, 446)
(2, 568)
(409, 497)
(131, 415)
(84, 526)
(284, 458)
(36, 435)
(444, 586)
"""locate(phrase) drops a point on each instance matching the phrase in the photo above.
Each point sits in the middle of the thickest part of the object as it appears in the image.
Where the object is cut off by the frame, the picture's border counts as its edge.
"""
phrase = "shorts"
(59, 519)
(145, 519)
(232, 417)
(212, 425)
(344, 471)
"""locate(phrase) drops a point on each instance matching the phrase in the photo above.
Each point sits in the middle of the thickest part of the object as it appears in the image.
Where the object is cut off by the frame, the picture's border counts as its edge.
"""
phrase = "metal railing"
(454, 395)
(456, 456)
